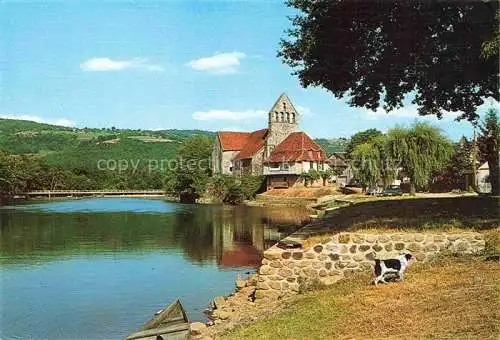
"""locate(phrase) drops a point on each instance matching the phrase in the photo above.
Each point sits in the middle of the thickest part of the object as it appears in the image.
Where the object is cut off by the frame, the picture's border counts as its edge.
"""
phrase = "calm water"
(99, 268)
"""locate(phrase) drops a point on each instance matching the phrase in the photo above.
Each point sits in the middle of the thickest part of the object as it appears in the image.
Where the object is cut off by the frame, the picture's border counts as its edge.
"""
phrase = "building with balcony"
(280, 152)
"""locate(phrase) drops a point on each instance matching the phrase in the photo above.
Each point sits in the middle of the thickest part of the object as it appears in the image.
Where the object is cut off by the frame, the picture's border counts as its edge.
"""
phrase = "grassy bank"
(452, 298)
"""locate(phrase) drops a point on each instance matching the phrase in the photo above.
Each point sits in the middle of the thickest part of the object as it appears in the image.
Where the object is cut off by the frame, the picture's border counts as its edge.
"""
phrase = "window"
(285, 166)
(231, 169)
(282, 116)
(288, 117)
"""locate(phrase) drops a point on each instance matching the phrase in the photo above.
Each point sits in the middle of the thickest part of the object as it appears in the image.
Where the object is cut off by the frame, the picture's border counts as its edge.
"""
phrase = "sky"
(209, 65)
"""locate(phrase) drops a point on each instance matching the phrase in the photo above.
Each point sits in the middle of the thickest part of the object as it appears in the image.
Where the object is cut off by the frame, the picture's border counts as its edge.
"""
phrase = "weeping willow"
(372, 163)
(419, 150)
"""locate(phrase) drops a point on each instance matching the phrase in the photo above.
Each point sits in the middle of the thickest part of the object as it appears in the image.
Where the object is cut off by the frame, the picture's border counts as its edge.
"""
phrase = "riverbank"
(456, 215)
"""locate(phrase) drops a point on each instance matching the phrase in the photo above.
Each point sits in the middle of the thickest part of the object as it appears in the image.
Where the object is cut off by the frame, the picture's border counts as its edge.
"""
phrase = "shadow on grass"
(425, 213)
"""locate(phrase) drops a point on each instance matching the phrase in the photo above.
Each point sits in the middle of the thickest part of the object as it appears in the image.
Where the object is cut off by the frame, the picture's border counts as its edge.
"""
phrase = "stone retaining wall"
(288, 271)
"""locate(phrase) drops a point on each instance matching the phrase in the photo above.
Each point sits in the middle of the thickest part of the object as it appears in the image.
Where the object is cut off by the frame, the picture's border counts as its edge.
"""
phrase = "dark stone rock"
(334, 257)
(286, 255)
(318, 248)
(328, 265)
(364, 247)
(353, 249)
(297, 255)
(370, 256)
(377, 247)
(399, 246)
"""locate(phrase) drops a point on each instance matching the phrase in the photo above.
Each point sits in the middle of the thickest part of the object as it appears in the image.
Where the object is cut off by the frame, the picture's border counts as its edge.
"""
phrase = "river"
(99, 268)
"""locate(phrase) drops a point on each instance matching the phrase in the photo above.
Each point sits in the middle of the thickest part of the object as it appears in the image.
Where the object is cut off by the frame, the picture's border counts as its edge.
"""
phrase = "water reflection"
(97, 269)
(233, 236)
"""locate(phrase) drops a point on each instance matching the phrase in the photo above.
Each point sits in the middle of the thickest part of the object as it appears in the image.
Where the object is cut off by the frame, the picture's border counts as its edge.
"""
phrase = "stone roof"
(298, 146)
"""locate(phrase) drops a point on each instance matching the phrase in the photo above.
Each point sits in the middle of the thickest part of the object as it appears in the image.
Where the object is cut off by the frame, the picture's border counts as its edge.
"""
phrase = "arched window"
(293, 117)
(282, 116)
(276, 116)
(288, 117)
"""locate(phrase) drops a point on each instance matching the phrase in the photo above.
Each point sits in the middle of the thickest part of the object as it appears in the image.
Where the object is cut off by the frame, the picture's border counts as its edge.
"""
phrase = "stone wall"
(288, 271)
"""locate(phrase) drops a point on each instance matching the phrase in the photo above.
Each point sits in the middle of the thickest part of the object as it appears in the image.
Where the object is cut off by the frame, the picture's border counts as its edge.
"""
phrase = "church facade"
(281, 152)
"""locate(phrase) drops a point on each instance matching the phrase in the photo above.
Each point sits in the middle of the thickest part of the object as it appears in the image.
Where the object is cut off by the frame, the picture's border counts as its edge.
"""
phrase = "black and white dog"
(391, 267)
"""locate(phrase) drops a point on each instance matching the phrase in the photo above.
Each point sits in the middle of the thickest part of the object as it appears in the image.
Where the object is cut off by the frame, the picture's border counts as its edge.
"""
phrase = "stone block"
(322, 257)
(328, 265)
(358, 238)
(297, 255)
(286, 255)
(318, 248)
(285, 272)
(453, 237)
(272, 254)
(262, 285)
(388, 247)
(408, 237)
(399, 246)
(352, 249)
(275, 285)
(197, 328)
(370, 238)
(377, 247)
(291, 279)
(364, 247)
(276, 264)
(413, 247)
(370, 256)
(358, 257)
(291, 264)
(396, 237)
(323, 273)
(383, 239)
(264, 270)
(420, 257)
(332, 247)
(310, 272)
(334, 257)
(310, 255)
(344, 249)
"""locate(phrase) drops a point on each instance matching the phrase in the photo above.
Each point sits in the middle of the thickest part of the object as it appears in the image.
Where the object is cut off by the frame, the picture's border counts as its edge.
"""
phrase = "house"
(483, 184)
(338, 162)
(280, 152)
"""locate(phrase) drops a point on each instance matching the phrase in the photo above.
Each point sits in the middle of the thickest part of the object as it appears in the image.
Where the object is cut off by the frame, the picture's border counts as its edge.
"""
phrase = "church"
(281, 152)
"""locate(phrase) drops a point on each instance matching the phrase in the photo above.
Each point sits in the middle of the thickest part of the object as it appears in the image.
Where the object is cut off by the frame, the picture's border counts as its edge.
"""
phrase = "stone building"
(281, 152)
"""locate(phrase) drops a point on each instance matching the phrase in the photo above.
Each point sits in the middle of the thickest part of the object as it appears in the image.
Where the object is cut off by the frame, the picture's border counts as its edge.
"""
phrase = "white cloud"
(106, 64)
(228, 115)
(57, 121)
(304, 111)
(220, 63)
(233, 128)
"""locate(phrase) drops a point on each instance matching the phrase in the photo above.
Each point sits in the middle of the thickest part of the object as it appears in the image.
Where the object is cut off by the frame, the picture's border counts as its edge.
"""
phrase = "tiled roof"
(336, 161)
(232, 141)
(255, 142)
(298, 146)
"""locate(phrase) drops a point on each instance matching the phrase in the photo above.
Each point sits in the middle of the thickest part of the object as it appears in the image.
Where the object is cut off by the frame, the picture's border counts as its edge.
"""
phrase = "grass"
(449, 298)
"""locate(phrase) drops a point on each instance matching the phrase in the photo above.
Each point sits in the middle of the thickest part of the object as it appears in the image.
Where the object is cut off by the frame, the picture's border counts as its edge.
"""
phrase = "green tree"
(360, 138)
(419, 150)
(372, 163)
(192, 168)
(488, 143)
(380, 53)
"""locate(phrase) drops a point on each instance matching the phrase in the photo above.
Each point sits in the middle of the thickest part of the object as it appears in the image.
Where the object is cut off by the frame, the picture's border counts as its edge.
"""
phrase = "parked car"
(393, 190)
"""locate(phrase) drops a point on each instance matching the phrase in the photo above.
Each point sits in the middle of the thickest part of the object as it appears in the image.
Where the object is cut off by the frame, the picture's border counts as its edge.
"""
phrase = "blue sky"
(208, 65)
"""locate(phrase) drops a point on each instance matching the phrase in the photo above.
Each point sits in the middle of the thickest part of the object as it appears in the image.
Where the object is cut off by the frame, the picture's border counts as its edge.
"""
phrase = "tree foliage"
(419, 151)
(488, 143)
(383, 51)
(360, 138)
(372, 163)
(192, 169)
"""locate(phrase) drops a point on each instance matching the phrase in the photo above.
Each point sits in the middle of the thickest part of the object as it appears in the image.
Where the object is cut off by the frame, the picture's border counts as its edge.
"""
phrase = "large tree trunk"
(494, 173)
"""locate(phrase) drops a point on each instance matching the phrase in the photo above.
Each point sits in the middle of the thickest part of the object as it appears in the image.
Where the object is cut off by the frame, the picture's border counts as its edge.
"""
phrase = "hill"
(79, 150)
(332, 145)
